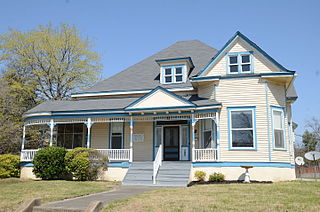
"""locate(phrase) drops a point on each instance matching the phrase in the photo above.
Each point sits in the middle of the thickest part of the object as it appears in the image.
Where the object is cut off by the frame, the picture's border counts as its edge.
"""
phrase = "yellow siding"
(142, 151)
(99, 136)
(243, 92)
(206, 90)
(260, 64)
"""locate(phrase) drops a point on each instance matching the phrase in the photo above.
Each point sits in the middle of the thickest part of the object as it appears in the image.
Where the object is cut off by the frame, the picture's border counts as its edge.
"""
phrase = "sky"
(126, 32)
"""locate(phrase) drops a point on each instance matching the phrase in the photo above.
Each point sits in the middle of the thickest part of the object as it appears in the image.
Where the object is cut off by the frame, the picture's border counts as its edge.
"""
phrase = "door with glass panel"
(171, 143)
(116, 135)
(184, 143)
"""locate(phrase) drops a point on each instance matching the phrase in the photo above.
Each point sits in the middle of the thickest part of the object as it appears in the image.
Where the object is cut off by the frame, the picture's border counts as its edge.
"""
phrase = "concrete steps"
(171, 173)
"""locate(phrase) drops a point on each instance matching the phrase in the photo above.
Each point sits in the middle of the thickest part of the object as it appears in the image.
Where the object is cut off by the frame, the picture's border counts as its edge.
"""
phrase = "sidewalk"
(120, 192)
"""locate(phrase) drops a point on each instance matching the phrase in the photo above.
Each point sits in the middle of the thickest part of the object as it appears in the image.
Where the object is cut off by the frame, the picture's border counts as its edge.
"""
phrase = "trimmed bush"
(200, 175)
(85, 163)
(216, 177)
(49, 163)
(9, 166)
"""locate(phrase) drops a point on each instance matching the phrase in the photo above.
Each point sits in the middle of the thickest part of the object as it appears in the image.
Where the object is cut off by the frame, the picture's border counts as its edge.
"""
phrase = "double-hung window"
(173, 74)
(207, 134)
(278, 128)
(116, 135)
(242, 128)
(239, 63)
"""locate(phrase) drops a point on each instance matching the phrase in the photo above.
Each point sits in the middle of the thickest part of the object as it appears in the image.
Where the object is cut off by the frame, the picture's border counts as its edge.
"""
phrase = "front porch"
(192, 136)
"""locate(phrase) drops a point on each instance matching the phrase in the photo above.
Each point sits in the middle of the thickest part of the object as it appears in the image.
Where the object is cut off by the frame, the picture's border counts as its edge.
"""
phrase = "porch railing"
(116, 154)
(157, 163)
(27, 155)
(203, 155)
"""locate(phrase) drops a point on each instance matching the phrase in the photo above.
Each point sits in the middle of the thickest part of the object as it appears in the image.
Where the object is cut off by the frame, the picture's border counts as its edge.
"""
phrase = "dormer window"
(173, 74)
(240, 63)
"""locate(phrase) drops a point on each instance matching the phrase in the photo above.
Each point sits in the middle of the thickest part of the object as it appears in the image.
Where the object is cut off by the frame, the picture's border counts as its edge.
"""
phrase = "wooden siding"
(142, 151)
(100, 136)
(260, 64)
(206, 90)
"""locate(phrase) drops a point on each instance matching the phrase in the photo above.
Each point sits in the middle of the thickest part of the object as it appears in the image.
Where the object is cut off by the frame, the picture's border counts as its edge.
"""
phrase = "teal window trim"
(243, 108)
(282, 110)
(239, 62)
(173, 74)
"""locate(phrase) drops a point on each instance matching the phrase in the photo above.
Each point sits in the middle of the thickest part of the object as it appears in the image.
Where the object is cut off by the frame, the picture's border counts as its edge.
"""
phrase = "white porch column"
(51, 125)
(194, 121)
(23, 137)
(89, 124)
(131, 140)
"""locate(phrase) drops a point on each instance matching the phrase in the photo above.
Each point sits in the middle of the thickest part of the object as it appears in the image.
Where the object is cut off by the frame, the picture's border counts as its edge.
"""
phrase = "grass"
(14, 191)
(282, 196)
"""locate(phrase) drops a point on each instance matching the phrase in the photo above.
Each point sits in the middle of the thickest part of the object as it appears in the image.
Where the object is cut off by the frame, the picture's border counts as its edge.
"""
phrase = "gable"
(160, 98)
(261, 61)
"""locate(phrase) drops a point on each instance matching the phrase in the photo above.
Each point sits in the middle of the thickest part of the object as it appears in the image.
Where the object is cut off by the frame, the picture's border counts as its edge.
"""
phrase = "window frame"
(282, 111)
(173, 74)
(239, 62)
(254, 128)
(122, 134)
(213, 142)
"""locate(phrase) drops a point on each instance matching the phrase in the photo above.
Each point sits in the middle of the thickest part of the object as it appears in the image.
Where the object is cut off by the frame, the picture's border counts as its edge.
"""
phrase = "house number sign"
(138, 137)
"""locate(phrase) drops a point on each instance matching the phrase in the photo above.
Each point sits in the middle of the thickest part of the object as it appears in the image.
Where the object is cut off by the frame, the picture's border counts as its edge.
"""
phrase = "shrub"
(216, 177)
(49, 163)
(9, 166)
(84, 163)
(200, 175)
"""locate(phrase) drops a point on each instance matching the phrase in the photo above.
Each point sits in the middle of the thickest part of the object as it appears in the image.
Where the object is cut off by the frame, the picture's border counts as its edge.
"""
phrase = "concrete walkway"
(119, 192)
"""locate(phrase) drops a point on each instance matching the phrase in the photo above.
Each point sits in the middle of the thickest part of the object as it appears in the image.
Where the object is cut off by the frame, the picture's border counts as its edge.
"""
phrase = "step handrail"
(157, 163)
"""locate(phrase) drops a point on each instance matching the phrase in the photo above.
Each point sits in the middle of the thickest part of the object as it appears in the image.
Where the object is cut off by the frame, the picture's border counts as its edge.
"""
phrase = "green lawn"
(14, 191)
(282, 196)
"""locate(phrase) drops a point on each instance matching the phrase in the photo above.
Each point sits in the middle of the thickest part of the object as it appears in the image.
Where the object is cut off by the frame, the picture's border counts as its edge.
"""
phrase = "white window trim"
(283, 129)
(110, 135)
(253, 128)
(239, 62)
(173, 74)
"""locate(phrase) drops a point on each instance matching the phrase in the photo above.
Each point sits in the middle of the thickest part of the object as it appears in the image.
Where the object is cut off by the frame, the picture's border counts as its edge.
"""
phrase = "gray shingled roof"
(100, 104)
(89, 104)
(145, 74)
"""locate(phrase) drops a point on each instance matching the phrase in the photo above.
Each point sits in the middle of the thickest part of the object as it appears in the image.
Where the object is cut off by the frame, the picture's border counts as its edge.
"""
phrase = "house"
(188, 107)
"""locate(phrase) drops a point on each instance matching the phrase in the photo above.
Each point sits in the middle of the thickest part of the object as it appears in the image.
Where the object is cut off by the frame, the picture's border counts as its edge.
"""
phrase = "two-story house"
(199, 108)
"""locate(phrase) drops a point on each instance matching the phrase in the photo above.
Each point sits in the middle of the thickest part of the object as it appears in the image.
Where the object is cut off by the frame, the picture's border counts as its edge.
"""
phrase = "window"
(242, 131)
(207, 133)
(239, 63)
(70, 135)
(184, 136)
(173, 74)
(278, 129)
(116, 135)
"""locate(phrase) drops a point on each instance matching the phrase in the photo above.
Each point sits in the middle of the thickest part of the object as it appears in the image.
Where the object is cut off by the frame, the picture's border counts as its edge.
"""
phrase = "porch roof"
(112, 105)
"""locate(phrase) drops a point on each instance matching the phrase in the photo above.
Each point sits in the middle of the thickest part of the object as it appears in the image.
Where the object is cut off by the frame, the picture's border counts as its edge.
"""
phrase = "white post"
(193, 137)
(131, 140)
(51, 131)
(218, 135)
(23, 137)
(89, 125)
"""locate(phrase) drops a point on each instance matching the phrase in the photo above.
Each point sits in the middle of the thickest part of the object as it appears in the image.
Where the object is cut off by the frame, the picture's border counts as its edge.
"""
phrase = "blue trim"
(292, 98)
(255, 46)
(119, 164)
(239, 59)
(238, 164)
(236, 108)
(153, 91)
(176, 59)
(282, 109)
(26, 164)
(157, 108)
(236, 76)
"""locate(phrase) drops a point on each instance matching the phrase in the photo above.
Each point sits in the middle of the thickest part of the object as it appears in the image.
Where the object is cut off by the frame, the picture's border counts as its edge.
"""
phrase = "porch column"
(131, 140)
(194, 121)
(23, 137)
(51, 125)
(89, 124)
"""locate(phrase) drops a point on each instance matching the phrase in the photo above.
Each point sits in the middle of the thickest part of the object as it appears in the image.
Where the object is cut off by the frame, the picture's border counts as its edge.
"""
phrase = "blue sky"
(126, 32)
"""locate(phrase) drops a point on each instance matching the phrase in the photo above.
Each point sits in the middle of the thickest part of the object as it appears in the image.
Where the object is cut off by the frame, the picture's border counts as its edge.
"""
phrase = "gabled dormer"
(175, 70)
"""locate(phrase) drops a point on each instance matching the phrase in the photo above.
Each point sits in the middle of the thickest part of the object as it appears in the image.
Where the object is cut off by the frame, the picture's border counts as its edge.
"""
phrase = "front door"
(171, 143)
